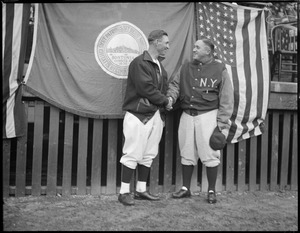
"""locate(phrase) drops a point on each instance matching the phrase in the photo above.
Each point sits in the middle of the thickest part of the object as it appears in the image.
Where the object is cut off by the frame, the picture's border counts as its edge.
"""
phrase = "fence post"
(68, 149)
(6, 166)
(294, 172)
(241, 165)
(112, 156)
(264, 156)
(21, 160)
(37, 148)
(229, 183)
(97, 157)
(52, 151)
(253, 163)
(168, 158)
(274, 151)
(285, 150)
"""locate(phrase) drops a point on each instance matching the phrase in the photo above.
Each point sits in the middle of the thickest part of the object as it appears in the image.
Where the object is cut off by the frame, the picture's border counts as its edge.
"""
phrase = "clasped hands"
(170, 103)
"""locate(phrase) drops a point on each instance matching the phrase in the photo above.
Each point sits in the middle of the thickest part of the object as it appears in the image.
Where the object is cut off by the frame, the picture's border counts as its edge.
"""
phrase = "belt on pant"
(193, 112)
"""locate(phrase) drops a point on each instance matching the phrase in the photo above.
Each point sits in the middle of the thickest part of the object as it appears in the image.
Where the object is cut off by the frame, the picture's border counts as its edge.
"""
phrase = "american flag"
(240, 39)
(15, 21)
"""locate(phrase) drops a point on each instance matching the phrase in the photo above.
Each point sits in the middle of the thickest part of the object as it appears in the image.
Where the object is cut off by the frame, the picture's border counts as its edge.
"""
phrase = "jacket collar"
(195, 62)
(147, 56)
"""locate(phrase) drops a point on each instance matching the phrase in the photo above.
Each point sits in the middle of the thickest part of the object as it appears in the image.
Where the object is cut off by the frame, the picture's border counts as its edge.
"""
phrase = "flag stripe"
(14, 38)
(8, 99)
(7, 32)
(235, 122)
(36, 20)
(257, 72)
(253, 48)
(247, 70)
(247, 49)
(265, 71)
(15, 48)
(259, 67)
(239, 77)
(10, 130)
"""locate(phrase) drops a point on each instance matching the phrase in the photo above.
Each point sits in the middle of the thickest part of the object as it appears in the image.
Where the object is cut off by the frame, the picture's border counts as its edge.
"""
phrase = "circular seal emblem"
(117, 45)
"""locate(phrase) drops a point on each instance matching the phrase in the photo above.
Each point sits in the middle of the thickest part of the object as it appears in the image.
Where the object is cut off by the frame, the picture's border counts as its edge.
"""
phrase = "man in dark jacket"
(143, 123)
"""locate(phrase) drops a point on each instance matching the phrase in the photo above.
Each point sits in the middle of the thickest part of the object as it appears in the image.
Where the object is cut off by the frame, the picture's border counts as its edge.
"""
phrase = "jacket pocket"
(144, 106)
(210, 96)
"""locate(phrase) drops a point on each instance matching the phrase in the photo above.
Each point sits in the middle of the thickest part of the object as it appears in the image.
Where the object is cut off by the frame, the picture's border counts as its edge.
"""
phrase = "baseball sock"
(141, 186)
(125, 188)
(125, 181)
(143, 173)
(187, 171)
(212, 173)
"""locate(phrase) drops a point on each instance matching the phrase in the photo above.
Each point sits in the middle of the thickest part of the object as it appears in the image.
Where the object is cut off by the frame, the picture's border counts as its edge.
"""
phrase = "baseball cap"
(217, 140)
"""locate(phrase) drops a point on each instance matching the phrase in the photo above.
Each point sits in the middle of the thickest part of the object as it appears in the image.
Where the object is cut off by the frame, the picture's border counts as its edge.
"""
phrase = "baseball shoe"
(181, 193)
(211, 197)
(145, 196)
(126, 199)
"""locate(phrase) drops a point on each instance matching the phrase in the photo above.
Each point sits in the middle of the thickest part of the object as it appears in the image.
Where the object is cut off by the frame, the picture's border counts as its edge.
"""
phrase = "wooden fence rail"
(68, 154)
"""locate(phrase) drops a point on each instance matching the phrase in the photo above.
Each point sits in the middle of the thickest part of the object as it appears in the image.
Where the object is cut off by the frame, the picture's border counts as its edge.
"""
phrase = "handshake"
(169, 105)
